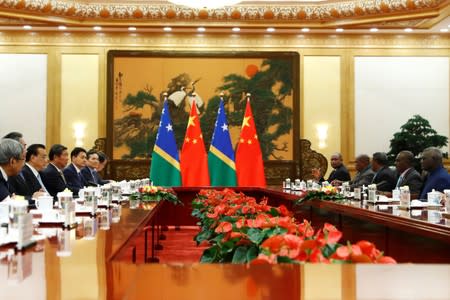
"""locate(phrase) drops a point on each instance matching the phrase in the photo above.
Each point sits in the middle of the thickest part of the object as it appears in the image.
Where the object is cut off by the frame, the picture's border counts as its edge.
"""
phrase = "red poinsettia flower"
(284, 211)
(224, 227)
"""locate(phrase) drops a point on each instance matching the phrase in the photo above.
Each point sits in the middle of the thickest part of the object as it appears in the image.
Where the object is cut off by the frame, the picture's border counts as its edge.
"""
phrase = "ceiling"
(285, 17)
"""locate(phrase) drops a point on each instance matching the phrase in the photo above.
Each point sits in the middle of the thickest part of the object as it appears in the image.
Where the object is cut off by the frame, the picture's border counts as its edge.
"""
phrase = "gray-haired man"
(11, 162)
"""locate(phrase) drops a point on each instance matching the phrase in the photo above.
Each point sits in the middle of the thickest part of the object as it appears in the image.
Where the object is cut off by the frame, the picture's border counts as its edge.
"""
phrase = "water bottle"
(396, 194)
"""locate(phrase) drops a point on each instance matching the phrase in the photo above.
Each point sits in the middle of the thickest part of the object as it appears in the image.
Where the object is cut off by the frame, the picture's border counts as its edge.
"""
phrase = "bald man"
(365, 173)
(339, 173)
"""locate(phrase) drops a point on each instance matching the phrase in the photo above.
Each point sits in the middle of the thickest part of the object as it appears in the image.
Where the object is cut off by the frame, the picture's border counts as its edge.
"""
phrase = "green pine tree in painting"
(269, 85)
(133, 130)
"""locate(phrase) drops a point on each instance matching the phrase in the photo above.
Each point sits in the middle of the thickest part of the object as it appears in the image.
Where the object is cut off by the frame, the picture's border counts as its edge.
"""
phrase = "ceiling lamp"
(205, 3)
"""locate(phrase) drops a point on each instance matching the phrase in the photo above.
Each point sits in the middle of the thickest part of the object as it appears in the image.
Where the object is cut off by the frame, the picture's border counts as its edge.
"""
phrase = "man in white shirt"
(52, 176)
(72, 173)
(29, 183)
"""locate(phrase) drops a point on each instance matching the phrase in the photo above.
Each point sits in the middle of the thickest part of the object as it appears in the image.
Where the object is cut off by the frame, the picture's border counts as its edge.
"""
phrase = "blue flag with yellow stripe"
(222, 169)
(165, 165)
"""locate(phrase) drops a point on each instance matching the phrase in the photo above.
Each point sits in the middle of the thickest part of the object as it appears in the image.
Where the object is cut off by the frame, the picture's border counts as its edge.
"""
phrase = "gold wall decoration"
(290, 11)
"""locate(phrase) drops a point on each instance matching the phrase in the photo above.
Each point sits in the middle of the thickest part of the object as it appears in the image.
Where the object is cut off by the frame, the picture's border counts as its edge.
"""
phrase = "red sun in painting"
(251, 70)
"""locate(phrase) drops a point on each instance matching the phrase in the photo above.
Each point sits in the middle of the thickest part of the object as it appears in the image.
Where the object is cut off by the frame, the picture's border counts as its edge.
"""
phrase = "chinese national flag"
(194, 161)
(249, 162)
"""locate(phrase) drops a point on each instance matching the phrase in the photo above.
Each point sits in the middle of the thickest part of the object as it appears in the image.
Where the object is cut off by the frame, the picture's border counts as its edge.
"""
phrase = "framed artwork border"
(292, 57)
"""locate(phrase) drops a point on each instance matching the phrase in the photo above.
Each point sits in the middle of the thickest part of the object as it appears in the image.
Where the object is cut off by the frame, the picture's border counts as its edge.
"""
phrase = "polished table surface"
(73, 264)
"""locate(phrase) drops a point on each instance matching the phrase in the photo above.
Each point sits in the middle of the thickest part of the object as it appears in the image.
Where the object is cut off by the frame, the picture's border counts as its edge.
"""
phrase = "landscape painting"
(137, 82)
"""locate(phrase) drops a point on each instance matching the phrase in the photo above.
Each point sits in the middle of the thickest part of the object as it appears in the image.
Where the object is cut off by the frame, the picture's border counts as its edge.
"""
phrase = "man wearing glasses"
(11, 162)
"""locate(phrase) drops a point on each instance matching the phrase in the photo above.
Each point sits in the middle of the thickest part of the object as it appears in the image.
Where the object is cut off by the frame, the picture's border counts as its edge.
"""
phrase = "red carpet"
(178, 246)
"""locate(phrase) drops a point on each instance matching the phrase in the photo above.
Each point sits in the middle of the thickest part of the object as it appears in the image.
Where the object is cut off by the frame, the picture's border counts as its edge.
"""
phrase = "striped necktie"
(62, 176)
(399, 181)
(94, 175)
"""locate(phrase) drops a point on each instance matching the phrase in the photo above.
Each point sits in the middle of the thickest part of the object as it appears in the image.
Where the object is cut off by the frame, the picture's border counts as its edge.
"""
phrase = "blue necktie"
(41, 183)
(94, 175)
(400, 179)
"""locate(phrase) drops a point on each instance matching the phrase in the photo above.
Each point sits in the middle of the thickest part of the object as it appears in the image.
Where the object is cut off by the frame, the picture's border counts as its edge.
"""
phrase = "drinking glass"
(16, 209)
(357, 193)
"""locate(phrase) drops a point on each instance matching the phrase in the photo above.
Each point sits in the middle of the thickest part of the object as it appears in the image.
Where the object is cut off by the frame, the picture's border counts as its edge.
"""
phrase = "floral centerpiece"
(149, 194)
(238, 229)
(328, 192)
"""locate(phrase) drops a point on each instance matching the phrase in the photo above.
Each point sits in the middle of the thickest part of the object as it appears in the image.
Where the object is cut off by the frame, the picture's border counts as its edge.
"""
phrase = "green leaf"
(274, 212)
(284, 260)
(252, 253)
(227, 247)
(218, 238)
(328, 250)
(274, 231)
(240, 255)
(256, 235)
(203, 236)
(210, 255)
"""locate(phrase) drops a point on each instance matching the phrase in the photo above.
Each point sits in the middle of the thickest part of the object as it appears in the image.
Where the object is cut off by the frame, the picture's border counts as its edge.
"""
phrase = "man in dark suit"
(11, 162)
(407, 175)
(384, 177)
(437, 177)
(103, 160)
(365, 173)
(72, 173)
(90, 171)
(339, 173)
(52, 176)
(29, 183)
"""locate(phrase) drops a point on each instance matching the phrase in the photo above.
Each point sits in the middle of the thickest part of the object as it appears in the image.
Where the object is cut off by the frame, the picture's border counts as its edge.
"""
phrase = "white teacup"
(434, 197)
(81, 194)
(44, 203)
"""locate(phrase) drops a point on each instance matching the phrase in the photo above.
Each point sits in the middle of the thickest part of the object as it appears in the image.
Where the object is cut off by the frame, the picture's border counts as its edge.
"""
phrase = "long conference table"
(102, 265)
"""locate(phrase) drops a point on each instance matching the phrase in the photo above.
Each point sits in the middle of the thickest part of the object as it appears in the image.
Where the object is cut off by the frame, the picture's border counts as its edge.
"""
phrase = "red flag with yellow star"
(194, 160)
(249, 162)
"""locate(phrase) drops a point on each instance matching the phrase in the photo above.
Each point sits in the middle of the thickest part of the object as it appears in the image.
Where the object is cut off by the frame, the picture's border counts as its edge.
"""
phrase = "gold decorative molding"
(226, 41)
(318, 14)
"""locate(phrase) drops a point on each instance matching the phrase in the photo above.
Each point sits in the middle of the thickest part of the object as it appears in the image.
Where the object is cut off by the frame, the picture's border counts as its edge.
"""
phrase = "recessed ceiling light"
(444, 30)
(270, 29)
(373, 29)
(62, 27)
(305, 29)
(408, 30)
(201, 29)
(236, 29)
(132, 28)
(167, 29)
(27, 27)
(339, 29)
(97, 28)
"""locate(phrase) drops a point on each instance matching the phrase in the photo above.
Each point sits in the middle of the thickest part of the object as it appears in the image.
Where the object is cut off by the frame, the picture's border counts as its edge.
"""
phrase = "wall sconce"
(79, 133)
(322, 135)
